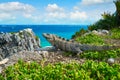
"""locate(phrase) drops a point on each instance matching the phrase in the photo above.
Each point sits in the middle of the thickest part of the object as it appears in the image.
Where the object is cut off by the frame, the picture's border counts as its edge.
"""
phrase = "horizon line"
(44, 24)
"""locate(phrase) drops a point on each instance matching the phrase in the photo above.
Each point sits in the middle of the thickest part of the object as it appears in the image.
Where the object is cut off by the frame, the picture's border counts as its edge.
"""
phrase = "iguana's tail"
(97, 48)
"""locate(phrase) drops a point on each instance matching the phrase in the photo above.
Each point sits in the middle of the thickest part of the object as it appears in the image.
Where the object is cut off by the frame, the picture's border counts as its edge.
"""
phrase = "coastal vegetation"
(90, 39)
(12, 32)
(37, 38)
(62, 71)
(115, 33)
(79, 33)
(101, 55)
(108, 20)
(95, 39)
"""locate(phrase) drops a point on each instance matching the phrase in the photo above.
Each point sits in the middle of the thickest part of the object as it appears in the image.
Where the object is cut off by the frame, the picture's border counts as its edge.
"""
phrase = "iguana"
(72, 46)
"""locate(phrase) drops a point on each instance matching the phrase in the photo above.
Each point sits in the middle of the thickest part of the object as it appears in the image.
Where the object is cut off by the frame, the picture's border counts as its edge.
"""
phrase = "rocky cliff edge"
(14, 42)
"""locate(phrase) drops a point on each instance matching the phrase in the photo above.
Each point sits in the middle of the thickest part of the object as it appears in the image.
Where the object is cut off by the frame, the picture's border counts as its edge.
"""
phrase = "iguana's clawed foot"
(80, 52)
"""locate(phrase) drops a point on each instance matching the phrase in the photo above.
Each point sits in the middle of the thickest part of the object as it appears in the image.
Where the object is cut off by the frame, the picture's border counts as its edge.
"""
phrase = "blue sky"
(78, 12)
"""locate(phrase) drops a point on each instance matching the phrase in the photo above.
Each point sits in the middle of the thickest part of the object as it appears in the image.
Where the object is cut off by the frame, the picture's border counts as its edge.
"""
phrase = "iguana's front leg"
(80, 51)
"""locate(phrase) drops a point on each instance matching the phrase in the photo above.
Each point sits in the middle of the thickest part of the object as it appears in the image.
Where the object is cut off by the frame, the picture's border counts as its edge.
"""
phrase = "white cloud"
(14, 10)
(77, 15)
(6, 16)
(76, 8)
(53, 8)
(26, 15)
(54, 13)
(16, 7)
(90, 2)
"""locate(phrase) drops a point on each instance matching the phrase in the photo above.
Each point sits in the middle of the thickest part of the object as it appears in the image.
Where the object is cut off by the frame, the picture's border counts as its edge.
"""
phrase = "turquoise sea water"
(65, 31)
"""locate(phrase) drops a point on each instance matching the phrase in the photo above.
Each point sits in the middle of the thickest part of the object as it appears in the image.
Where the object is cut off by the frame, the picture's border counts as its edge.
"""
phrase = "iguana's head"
(49, 37)
(53, 37)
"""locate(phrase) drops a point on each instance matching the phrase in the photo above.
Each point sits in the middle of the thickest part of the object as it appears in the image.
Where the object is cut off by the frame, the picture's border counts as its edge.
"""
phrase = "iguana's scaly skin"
(68, 45)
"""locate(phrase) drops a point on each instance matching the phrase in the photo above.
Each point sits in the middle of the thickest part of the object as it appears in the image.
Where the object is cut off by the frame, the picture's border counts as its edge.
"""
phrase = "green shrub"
(115, 33)
(37, 38)
(101, 55)
(12, 32)
(117, 5)
(79, 33)
(90, 39)
(107, 22)
(59, 71)
(92, 27)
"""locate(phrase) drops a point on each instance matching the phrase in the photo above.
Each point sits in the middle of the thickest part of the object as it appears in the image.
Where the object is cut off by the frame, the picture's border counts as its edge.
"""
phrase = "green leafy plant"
(79, 33)
(37, 38)
(59, 71)
(117, 4)
(90, 39)
(108, 22)
(115, 33)
(101, 55)
(12, 32)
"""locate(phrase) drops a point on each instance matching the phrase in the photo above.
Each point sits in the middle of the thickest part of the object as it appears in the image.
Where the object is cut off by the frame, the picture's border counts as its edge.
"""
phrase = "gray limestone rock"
(111, 60)
(11, 43)
(100, 32)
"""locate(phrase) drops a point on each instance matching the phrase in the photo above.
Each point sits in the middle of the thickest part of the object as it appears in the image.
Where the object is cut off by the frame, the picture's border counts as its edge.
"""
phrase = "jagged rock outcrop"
(11, 43)
(100, 32)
